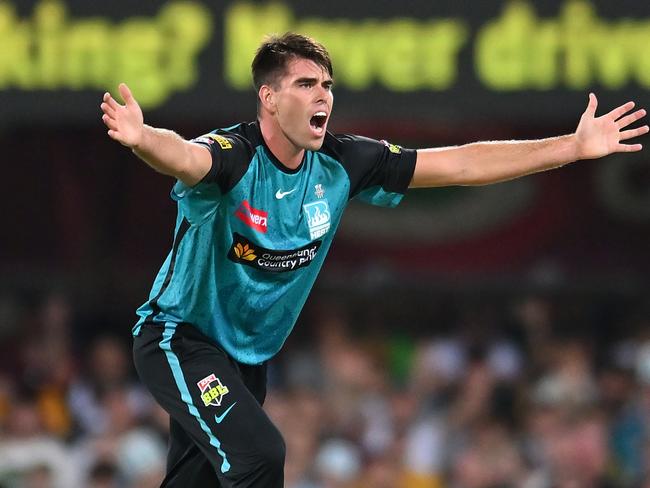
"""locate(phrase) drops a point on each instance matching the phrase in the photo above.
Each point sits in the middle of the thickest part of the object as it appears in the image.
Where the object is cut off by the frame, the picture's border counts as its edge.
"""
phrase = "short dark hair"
(273, 56)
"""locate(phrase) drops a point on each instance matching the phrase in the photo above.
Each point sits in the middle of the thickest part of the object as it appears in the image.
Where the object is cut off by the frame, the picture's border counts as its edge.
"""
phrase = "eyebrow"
(313, 80)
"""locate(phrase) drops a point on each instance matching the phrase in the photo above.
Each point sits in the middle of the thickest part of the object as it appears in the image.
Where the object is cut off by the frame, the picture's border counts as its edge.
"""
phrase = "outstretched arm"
(163, 150)
(482, 163)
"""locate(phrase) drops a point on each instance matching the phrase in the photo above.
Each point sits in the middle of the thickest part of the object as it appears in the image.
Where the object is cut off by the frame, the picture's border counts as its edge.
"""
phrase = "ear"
(267, 98)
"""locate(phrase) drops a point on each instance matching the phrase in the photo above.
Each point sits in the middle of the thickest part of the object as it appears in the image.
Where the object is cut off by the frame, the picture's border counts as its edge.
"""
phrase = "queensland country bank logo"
(212, 391)
(254, 218)
(245, 252)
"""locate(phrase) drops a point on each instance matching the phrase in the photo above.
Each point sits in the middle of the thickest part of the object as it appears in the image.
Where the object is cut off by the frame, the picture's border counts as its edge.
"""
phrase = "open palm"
(600, 136)
(124, 122)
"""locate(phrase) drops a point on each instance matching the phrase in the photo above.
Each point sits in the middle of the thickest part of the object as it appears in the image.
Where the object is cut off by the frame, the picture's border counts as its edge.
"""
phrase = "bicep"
(199, 163)
(438, 167)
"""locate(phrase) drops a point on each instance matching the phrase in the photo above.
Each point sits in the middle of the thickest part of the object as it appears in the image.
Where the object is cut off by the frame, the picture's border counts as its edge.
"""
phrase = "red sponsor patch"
(252, 217)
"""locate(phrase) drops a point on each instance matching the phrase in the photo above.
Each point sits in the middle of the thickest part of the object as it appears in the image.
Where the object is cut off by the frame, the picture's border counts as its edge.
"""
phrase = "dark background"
(555, 264)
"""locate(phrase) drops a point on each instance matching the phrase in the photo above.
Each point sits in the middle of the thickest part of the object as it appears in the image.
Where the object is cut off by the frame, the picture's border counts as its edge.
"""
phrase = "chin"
(316, 145)
(313, 144)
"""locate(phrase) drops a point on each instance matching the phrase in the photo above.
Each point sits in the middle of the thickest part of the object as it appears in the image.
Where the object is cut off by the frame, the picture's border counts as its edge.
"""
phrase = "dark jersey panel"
(371, 163)
(231, 156)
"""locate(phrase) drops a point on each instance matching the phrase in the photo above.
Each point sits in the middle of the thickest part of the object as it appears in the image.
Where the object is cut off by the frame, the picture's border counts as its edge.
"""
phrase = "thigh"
(187, 466)
(202, 390)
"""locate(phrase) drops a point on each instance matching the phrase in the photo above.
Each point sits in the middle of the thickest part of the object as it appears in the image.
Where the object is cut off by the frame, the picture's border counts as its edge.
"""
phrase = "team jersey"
(251, 236)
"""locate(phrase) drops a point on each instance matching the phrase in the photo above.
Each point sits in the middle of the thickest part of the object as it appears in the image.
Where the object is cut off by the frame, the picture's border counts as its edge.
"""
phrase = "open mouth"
(318, 121)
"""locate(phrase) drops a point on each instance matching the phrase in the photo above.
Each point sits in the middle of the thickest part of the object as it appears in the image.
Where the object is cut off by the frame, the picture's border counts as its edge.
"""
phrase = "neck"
(282, 148)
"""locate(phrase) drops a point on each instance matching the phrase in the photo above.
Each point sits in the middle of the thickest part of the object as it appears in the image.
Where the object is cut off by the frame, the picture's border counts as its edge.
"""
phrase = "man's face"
(303, 103)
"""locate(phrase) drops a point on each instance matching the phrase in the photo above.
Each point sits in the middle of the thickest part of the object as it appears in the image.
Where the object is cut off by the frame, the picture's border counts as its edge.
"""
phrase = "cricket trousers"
(219, 434)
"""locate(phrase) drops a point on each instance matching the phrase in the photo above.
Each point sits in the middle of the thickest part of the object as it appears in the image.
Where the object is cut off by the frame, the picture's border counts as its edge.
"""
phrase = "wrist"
(140, 141)
(572, 150)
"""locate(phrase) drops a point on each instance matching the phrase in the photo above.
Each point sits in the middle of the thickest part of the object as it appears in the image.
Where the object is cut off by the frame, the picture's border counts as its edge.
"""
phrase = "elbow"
(184, 170)
(467, 176)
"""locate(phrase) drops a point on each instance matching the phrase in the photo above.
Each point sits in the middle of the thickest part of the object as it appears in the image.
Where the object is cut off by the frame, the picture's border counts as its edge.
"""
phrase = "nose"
(321, 94)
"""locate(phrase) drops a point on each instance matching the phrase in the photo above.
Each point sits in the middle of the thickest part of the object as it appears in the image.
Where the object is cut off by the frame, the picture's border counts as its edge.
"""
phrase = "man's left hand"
(599, 136)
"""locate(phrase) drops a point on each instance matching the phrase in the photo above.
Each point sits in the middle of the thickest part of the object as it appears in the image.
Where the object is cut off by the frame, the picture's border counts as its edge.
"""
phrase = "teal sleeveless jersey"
(251, 237)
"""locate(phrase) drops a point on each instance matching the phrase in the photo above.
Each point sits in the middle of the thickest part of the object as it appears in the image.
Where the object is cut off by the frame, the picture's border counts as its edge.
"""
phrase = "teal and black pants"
(219, 434)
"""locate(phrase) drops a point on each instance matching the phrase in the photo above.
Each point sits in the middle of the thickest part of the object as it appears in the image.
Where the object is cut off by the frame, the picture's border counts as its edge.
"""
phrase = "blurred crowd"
(537, 391)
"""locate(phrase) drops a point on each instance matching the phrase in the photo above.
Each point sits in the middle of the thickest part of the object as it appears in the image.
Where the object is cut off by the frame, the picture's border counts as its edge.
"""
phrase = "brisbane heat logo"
(212, 391)
(318, 218)
(253, 217)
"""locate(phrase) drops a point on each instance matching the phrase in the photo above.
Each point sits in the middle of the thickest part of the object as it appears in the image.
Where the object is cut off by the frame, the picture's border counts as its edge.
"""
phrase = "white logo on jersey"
(319, 190)
(318, 218)
(281, 194)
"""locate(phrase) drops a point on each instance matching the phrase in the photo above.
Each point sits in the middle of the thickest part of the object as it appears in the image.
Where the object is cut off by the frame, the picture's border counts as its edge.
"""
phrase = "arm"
(490, 162)
(163, 150)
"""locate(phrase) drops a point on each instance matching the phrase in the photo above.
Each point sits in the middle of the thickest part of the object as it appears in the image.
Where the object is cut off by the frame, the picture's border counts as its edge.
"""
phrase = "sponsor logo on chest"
(246, 252)
(254, 218)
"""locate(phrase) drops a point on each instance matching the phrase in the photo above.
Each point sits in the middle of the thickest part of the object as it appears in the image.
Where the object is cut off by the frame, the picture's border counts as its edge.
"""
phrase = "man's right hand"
(125, 122)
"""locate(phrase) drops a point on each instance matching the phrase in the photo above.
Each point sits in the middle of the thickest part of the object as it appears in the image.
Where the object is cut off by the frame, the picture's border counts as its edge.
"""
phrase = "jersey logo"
(318, 218)
(212, 391)
(281, 194)
(246, 252)
(394, 148)
(254, 218)
(223, 142)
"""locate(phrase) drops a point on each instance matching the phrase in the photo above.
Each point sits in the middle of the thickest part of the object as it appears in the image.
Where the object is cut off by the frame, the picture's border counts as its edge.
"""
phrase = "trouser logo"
(212, 391)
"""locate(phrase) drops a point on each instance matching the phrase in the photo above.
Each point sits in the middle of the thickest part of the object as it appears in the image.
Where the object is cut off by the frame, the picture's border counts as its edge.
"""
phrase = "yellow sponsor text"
(155, 55)
(223, 142)
(517, 50)
(577, 49)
